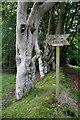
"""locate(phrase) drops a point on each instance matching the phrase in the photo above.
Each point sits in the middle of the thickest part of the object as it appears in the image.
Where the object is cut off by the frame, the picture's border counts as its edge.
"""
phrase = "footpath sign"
(57, 40)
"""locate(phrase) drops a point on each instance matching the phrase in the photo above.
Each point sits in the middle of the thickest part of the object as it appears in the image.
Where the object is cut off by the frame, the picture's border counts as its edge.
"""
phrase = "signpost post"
(57, 40)
(57, 69)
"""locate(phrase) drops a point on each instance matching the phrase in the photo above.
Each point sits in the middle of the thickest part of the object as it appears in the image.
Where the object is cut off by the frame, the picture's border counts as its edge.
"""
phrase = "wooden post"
(57, 40)
(57, 69)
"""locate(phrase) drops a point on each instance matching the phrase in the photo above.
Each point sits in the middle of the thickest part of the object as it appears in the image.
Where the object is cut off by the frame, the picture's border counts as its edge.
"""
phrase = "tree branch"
(35, 57)
(45, 7)
(76, 10)
(74, 34)
(61, 19)
(39, 10)
(71, 22)
(32, 13)
(49, 24)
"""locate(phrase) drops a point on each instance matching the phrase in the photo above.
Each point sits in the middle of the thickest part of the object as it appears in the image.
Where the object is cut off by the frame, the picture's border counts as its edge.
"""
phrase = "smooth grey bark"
(21, 50)
(24, 46)
(49, 51)
(39, 52)
(50, 20)
(61, 20)
(26, 38)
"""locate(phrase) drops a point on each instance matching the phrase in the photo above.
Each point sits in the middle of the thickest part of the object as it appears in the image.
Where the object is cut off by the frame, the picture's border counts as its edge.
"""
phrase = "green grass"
(38, 102)
(8, 84)
(77, 67)
(0, 95)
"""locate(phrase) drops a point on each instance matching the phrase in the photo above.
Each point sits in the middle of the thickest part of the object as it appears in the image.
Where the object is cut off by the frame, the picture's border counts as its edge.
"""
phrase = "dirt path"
(75, 76)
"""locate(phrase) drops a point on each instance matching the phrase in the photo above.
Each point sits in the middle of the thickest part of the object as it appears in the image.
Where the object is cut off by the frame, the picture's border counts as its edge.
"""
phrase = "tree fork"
(25, 40)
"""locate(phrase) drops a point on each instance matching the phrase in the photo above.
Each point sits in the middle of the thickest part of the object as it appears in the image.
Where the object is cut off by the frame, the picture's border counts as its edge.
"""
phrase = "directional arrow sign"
(57, 40)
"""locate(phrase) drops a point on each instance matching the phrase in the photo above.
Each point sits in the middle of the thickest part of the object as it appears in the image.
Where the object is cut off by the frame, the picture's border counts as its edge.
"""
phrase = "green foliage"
(42, 37)
(8, 34)
(77, 68)
(8, 82)
(70, 54)
(9, 9)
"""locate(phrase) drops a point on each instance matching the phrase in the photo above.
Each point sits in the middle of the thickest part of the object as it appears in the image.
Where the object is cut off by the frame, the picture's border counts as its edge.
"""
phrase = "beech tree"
(26, 39)
(32, 27)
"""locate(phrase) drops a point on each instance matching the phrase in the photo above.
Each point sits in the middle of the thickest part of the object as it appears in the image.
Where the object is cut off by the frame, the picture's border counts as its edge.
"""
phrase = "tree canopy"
(70, 26)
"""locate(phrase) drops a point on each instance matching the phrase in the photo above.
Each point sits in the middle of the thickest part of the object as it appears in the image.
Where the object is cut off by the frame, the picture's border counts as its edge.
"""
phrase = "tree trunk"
(61, 20)
(39, 52)
(49, 51)
(26, 38)
(24, 45)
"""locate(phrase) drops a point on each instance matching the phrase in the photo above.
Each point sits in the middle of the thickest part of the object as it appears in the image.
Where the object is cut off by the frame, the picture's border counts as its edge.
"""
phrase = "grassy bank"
(40, 102)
